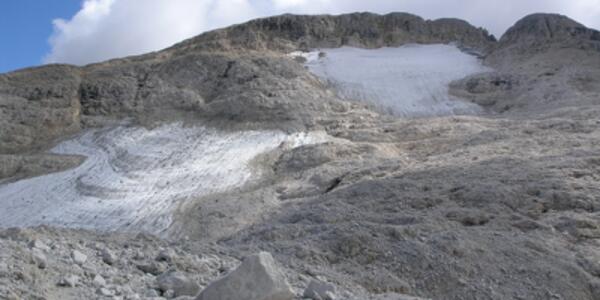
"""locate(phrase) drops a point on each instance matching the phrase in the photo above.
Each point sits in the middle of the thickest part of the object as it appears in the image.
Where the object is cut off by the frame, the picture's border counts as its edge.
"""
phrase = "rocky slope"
(498, 205)
(221, 75)
(544, 64)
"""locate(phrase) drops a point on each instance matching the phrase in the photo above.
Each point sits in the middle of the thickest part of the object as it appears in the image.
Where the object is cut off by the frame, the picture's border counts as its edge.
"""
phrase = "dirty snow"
(411, 80)
(133, 178)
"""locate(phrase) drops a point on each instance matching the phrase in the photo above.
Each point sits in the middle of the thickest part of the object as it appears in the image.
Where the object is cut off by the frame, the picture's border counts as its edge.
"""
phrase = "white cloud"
(104, 29)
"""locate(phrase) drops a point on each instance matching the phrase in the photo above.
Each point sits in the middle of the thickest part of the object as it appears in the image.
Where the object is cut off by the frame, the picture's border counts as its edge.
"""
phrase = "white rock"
(39, 245)
(330, 296)
(151, 293)
(139, 255)
(319, 290)
(108, 257)
(166, 255)
(133, 297)
(4, 270)
(169, 294)
(257, 278)
(69, 281)
(104, 292)
(154, 268)
(99, 281)
(39, 258)
(178, 283)
(78, 257)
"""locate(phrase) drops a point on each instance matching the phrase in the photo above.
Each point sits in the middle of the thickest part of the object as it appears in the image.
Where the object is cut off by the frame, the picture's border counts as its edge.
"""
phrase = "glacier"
(134, 178)
(407, 81)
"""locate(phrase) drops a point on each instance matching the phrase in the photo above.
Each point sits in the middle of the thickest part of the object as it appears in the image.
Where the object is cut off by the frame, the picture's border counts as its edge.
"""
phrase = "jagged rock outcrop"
(540, 33)
(542, 30)
(287, 33)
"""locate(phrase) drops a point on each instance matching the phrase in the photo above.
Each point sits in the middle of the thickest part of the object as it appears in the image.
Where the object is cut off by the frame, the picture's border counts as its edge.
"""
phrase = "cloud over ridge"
(104, 29)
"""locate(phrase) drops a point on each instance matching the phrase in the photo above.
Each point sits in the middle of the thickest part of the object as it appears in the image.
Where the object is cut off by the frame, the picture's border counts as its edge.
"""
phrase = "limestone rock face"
(537, 28)
(542, 63)
(38, 105)
(543, 33)
(291, 32)
(258, 278)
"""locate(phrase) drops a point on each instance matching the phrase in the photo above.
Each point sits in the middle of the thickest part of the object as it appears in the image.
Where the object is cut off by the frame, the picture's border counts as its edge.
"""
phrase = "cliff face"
(38, 105)
(292, 32)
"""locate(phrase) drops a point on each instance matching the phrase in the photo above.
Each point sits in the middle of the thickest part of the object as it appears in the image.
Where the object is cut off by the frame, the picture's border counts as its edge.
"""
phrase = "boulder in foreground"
(257, 278)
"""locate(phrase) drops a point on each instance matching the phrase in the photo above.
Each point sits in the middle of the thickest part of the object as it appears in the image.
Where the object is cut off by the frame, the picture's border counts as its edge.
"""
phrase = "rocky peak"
(548, 34)
(550, 28)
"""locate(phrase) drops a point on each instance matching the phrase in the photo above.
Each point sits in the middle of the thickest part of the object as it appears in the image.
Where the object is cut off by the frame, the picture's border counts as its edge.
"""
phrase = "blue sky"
(25, 26)
(34, 32)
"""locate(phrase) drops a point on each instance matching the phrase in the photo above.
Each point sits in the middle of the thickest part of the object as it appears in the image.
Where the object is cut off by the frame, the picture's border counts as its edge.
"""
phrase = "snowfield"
(133, 178)
(409, 81)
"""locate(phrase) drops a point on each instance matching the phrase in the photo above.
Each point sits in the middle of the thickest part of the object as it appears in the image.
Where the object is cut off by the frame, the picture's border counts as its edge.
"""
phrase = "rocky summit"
(284, 158)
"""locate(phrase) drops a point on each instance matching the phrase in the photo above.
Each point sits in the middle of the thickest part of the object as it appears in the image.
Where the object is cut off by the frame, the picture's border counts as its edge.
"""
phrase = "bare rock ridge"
(543, 33)
(544, 64)
(292, 32)
(542, 29)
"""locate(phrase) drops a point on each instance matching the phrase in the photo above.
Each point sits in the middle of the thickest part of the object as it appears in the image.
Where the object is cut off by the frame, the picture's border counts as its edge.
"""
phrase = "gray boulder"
(153, 268)
(39, 258)
(318, 290)
(99, 281)
(178, 283)
(166, 255)
(69, 281)
(78, 257)
(37, 244)
(108, 257)
(257, 278)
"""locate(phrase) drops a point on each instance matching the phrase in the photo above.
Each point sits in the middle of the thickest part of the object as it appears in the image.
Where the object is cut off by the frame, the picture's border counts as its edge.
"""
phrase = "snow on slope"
(133, 178)
(407, 81)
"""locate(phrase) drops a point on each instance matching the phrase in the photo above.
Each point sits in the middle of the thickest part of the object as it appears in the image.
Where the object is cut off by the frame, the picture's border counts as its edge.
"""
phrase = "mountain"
(230, 143)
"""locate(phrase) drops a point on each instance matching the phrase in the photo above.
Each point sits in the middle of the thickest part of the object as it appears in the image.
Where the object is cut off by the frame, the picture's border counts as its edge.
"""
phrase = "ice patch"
(411, 80)
(133, 178)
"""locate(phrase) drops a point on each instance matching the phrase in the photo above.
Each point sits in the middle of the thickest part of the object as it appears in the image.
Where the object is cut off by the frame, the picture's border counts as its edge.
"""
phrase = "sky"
(34, 32)
(25, 26)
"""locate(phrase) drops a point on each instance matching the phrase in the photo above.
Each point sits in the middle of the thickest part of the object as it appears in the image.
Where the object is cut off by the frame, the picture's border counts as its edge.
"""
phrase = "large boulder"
(178, 283)
(257, 278)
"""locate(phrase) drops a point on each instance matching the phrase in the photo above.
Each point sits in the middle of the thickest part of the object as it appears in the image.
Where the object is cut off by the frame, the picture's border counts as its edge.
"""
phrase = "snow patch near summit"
(409, 81)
